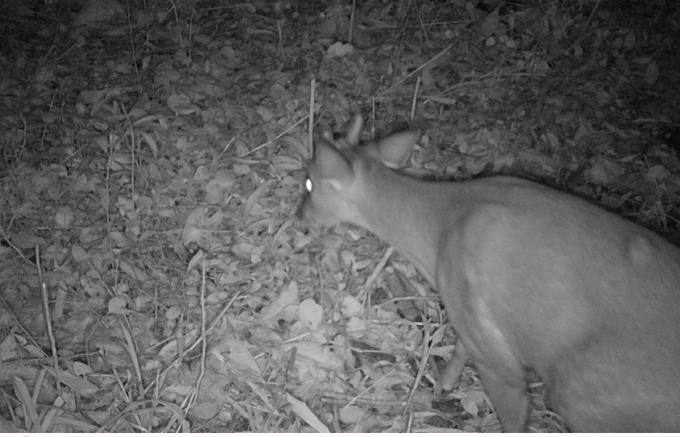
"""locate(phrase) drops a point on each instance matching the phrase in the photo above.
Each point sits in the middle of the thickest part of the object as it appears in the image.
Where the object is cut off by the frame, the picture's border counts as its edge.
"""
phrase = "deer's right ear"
(331, 165)
(354, 130)
(395, 150)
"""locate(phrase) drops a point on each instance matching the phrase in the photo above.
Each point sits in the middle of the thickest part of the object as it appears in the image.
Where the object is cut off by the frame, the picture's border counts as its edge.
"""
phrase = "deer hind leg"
(448, 378)
(505, 387)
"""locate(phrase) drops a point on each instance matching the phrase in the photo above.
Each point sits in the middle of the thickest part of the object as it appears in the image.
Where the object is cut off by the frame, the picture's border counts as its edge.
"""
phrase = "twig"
(427, 350)
(414, 100)
(583, 34)
(131, 348)
(10, 244)
(592, 13)
(23, 330)
(180, 339)
(121, 386)
(204, 343)
(197, 341)
(267, 143)
(132, 152)
(423, 65)
(352, 16)
(38, 384)
(48, 319)
(380, 266)
(135, 407)
(310, 126)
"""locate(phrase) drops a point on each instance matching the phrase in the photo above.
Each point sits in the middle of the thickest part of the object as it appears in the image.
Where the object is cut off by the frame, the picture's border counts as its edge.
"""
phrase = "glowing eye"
(308, 185)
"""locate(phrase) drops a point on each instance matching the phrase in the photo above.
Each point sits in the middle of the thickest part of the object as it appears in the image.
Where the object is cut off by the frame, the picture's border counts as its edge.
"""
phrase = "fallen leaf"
(306, 414)
(310, 313)
(289, 296)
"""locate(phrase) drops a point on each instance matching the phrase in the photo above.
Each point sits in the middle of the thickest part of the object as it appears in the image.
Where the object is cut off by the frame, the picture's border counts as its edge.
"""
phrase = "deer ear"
(331, 165)
(395, 150)
(354, 130)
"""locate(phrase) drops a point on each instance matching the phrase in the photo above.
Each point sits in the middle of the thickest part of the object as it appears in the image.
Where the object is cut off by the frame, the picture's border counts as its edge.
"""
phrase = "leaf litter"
(152, 162)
